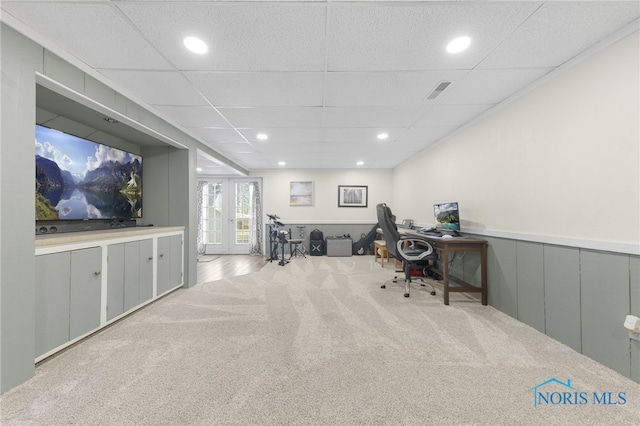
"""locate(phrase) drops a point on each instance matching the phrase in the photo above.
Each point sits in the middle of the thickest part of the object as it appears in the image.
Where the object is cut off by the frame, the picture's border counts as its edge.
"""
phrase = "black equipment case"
(316, 243)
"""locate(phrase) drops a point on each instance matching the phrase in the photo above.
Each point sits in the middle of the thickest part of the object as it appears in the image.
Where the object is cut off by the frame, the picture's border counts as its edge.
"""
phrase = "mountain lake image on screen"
(77, 179)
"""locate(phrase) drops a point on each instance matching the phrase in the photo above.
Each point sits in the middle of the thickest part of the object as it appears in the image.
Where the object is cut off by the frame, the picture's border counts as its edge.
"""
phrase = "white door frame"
(228, 219)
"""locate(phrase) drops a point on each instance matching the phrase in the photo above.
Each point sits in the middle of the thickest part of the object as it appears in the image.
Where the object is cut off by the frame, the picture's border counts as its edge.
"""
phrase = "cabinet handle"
(151, 258)
(97, 273)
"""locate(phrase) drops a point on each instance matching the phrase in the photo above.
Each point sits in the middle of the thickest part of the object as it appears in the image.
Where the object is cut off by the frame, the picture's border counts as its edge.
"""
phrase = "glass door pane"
(242, 204)
(214, 213)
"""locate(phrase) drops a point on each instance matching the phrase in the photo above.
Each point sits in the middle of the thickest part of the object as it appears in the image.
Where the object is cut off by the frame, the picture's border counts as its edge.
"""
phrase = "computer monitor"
(447, 217)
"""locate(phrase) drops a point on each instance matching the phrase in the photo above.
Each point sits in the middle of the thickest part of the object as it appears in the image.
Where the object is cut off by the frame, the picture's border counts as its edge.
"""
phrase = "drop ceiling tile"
(451, 115)
(281, 135)
(113, 42)
(375, 117)
(347, 148)
(362, 134)
(288, 149)
(212, 134)
(401, 88)
(252, 89)
(256, 161)
(273, 117)
(188, 116)
(273, 36)
(413, 36)
(558, 31)
(176, 90)
(489, 86)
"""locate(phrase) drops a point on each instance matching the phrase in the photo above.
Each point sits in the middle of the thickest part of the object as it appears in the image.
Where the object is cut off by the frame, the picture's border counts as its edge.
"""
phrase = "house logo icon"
(546, 397)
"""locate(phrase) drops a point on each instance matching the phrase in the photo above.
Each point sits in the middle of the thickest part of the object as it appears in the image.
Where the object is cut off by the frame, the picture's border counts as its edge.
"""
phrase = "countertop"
(45, 240)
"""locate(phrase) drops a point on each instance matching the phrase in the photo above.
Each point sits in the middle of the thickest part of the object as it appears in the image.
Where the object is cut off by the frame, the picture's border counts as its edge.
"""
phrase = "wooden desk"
(458, 244)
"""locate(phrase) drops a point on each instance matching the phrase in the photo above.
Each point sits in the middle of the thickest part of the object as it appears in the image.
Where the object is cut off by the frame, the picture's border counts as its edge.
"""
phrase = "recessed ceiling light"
(382, 136)
(262, 136)
(196, 45)
(360, 163)
(459, 44)
(198, 169)
(281, 163)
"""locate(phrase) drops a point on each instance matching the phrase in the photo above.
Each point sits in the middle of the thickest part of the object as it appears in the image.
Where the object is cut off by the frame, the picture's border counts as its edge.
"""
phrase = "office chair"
(411, 250)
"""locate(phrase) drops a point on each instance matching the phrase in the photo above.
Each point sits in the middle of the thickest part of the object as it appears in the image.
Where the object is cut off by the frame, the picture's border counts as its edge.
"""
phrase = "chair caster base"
(383, 286)
(406, 295)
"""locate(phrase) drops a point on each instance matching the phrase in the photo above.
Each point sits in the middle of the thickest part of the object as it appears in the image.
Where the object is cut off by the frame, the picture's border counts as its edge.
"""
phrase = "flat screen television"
(447, 217)
(77, 179)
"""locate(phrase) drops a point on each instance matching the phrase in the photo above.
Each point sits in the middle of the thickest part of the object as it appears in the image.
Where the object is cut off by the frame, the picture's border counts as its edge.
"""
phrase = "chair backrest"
(389, 229)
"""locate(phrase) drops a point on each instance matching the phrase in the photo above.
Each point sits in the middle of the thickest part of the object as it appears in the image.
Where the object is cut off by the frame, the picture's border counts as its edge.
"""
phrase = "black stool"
(296, 245)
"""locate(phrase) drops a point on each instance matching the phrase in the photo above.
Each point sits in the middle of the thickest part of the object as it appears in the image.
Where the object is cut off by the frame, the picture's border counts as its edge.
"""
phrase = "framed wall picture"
(352, 196)
(301, 193)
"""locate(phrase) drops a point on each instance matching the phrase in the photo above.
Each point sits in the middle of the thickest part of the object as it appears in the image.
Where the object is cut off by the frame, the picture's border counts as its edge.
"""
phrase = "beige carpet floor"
(317, 342)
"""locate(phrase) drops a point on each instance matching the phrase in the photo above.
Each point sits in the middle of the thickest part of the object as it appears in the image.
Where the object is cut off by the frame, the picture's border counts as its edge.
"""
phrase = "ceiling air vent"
(438, 90)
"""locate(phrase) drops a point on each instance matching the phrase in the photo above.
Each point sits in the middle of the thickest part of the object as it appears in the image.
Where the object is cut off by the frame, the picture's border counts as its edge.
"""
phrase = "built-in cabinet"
(87, 280)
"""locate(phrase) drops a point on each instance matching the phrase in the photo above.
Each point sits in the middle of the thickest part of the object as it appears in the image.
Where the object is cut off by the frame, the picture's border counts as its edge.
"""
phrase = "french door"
(226, 216)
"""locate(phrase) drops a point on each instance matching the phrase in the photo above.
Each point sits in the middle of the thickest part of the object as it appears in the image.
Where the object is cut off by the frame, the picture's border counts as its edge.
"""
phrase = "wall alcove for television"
(87, 126)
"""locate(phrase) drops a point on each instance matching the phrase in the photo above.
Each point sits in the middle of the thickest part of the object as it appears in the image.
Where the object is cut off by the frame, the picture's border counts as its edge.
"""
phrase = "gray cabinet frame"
(86, 280)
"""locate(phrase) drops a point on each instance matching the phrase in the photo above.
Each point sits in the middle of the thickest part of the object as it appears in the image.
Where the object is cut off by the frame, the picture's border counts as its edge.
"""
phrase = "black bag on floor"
(316, 243)
(363, 245)
(316, 234)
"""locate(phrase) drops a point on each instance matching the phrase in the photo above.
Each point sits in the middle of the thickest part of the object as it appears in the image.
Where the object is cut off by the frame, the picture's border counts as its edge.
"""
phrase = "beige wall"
(560, 164)
(325, 206)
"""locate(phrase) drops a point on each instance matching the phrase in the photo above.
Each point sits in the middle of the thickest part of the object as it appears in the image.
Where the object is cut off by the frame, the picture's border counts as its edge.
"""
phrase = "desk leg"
(445, 272)
(483, 267)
